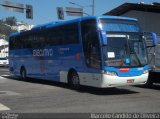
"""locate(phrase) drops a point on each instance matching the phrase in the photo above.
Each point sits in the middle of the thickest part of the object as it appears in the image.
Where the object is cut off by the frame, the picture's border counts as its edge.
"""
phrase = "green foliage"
(5, 26)
(11, 21)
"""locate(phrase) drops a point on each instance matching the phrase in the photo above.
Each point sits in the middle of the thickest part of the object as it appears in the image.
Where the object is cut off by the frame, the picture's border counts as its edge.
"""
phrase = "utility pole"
(92, 7)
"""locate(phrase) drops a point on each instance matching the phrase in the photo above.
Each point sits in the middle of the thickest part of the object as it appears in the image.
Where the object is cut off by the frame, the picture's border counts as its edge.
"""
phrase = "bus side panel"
(24, 58)
(64, 58)
(90, 79)
(13, 66)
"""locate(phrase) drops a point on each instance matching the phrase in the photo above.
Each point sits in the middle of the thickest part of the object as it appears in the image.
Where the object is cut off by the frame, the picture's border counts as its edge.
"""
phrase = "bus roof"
(59, 23)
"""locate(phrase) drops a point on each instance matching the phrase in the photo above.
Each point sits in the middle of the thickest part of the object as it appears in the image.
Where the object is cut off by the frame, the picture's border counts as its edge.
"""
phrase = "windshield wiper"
(134, 53)
(140, 64)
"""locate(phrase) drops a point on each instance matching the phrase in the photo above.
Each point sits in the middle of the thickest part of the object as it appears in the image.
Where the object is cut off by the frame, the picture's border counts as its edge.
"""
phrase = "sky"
(44, 11)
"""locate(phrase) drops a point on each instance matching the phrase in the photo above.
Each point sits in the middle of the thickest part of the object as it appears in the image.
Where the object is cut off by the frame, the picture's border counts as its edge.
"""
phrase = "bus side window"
(90, 43)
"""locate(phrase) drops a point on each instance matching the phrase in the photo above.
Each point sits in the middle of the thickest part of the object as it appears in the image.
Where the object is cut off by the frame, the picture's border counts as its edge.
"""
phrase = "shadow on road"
(154, 87)
(83, 89)
(107, 91)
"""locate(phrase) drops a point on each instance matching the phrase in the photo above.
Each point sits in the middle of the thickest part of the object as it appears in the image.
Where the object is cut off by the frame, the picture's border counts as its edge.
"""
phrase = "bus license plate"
(130, 81)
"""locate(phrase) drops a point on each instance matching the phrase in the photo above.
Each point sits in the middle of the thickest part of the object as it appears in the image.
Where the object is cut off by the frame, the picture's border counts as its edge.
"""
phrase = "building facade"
(3, 48)
(22, 27)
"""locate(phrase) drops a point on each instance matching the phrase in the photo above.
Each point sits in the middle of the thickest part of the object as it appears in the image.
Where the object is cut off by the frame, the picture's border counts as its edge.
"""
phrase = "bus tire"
(149, 83)
(73, 80)
(23, 74)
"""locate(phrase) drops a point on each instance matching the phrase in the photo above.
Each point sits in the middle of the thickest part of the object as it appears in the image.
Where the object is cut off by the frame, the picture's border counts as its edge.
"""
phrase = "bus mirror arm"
(104, 38)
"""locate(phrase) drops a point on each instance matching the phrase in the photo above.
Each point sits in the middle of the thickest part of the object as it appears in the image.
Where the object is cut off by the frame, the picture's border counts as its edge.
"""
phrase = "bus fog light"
(145, 71)
(110, 73)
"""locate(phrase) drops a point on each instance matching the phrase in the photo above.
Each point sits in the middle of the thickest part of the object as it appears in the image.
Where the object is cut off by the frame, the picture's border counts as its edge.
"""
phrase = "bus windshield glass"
(125, 45)
(119, 25)
(125, 50)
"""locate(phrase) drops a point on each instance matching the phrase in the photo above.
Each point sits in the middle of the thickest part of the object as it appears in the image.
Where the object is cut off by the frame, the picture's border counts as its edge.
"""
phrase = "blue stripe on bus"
(132, 71)
(58, 51)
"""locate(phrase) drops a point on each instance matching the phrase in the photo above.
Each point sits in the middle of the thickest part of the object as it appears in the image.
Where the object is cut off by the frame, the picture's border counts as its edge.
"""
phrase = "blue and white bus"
(102, 52)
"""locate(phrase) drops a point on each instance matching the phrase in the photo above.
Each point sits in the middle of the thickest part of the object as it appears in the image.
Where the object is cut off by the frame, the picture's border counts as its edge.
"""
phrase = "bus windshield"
(125, 50)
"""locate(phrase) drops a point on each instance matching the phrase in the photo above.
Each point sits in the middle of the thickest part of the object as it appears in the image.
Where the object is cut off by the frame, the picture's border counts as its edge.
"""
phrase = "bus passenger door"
(91, 47)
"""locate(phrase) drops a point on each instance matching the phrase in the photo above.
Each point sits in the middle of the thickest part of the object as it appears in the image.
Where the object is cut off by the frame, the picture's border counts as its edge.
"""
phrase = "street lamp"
(76, 4)
(92, 7)
(73, 3)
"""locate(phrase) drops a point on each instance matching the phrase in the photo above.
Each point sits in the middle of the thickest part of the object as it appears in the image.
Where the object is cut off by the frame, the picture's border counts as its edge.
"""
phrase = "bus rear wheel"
(74, 80)
(23, 74)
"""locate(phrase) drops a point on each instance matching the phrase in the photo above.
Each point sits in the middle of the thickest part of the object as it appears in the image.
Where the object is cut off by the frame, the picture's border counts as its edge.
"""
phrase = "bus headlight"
(110, 73)
(145, 71)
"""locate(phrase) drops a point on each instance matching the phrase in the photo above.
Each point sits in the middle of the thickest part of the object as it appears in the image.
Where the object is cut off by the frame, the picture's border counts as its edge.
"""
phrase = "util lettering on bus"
(42, 52)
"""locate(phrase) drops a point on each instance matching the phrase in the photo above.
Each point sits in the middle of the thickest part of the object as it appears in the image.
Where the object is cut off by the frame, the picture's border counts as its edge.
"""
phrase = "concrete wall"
(3, 42)
(149, 22)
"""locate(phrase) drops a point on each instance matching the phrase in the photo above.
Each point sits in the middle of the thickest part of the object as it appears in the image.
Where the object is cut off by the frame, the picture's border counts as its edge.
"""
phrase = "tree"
(11, 21)
(5, 26)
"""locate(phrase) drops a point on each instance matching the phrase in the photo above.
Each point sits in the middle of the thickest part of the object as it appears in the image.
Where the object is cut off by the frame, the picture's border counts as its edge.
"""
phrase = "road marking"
(4, 76)
(8, 93)
(3, 107)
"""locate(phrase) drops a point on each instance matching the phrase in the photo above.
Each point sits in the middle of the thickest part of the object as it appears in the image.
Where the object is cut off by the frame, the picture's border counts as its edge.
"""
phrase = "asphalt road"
(49, 97)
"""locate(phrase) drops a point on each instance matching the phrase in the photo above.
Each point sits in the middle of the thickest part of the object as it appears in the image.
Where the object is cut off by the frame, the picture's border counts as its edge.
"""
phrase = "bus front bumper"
(114, 81)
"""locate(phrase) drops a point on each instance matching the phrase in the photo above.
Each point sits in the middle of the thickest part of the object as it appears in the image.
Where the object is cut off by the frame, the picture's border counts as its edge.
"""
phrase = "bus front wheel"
(74, 80)
(23, 74)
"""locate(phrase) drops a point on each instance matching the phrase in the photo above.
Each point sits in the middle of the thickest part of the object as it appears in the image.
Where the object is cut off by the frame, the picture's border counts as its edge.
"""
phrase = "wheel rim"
(75, 80)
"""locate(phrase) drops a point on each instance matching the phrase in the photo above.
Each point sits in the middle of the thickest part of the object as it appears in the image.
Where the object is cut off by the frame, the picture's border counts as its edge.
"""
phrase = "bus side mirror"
(104, 38)
(150, 39)
(155, 39)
